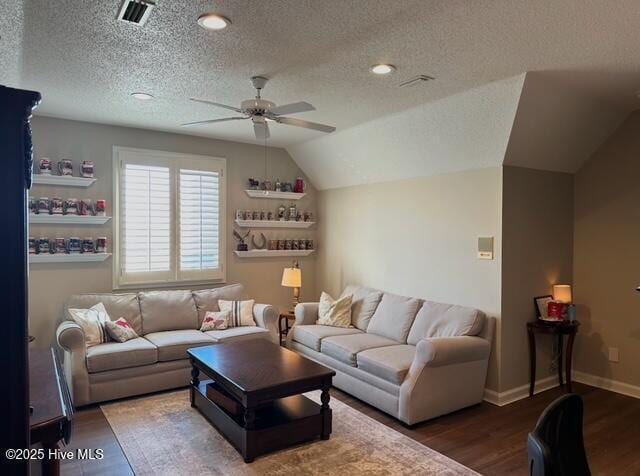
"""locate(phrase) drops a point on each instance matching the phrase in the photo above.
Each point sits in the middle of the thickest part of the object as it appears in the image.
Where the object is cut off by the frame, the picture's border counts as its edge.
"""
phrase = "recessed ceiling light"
(142, 96)
(383, 69)
(213, 21)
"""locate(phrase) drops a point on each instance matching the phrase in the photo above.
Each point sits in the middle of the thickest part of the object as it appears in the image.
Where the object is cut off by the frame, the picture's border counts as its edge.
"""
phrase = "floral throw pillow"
(215, 321)
(120, 330)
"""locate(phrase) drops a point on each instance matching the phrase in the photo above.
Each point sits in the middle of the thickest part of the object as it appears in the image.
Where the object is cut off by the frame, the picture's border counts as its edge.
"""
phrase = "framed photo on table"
(541, 304)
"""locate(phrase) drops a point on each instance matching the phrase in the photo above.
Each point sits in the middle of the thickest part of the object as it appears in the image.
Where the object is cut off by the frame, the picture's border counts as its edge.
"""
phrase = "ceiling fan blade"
(290, 121)
(204, 101)
(211, 121)
(261, 129)
(293, 108)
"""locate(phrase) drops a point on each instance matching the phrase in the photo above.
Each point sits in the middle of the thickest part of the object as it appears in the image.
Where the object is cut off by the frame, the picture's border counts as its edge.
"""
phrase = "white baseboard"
(607, 384)
(518, 393)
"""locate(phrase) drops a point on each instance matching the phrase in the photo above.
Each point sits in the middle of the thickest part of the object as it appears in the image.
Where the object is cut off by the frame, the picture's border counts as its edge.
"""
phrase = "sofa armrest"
(266, 316)
(438, 351)
(306, 313)
(70, 338)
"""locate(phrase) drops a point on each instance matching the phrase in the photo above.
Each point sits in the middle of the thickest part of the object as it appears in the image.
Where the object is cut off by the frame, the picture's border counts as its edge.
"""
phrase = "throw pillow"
(240, 312)
(92, 322)
(215, 321)
(334, 313)
(120, 330)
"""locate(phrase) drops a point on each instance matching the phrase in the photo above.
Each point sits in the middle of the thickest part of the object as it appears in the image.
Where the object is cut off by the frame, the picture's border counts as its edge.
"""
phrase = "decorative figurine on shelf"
(44, 166)
(263, 242)
(253, 184)
(86, 169)
(278, 187)
(266, 186)
(242, 246)
(65, 167)
(282, 211)
(287, 187)
(299, 185)
(293, 213)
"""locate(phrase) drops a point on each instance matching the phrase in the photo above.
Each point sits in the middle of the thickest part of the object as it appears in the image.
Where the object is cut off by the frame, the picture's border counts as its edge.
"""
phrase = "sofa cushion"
(238, 333)
(334, 313)
(207, 299)
(119, 355)
(435, 319)
(167, 311)
(346, 348)
(311, 335)
(173, 345)
(364, 302)
(394, 316)
(117, 305)
(389, 363)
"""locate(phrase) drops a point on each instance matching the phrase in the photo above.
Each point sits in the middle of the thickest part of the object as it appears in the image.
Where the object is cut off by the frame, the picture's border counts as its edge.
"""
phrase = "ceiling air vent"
(136, 11)
(421, 79)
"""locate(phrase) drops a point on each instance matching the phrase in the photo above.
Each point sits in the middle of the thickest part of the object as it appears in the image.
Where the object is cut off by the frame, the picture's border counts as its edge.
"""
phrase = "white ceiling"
(469, 130)
(86, 63)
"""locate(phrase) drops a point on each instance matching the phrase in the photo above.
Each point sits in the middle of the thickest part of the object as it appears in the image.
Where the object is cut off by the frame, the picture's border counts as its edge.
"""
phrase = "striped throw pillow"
(240, 312)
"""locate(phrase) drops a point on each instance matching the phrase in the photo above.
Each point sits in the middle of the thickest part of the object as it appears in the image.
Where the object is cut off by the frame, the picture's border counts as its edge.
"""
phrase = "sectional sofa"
(412, 359)
(168, 324)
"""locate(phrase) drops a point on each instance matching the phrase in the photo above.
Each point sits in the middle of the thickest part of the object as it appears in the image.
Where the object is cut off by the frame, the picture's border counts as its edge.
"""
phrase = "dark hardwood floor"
(486, 438)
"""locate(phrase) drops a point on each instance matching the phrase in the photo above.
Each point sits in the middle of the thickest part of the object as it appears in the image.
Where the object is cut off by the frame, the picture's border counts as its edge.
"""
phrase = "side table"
(285, 318)
(569, 328)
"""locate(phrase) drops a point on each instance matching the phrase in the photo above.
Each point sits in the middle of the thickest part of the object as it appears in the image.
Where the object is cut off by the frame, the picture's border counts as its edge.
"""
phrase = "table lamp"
(292, 278)
(562, 293)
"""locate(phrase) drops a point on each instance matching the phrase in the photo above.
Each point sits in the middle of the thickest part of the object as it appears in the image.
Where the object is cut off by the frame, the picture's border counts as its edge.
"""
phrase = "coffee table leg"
(325, 411)
(195, 381)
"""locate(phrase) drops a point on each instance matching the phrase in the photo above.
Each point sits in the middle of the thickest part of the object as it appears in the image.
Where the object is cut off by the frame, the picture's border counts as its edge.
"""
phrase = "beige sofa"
(168, 324)
(410, 358)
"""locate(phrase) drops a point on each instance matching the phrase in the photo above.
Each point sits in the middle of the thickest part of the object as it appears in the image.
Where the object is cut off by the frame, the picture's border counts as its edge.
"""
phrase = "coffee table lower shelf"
(280, 424)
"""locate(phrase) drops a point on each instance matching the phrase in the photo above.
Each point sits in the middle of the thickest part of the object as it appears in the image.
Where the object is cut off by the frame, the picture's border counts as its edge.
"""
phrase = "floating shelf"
(67, 219)
(273, 224)
(69, 258)
(272, 253)
(62, 180)
(275, 195)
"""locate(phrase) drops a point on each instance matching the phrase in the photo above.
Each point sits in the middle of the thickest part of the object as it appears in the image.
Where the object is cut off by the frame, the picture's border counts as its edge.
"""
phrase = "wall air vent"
(136, 11)
(421, 79)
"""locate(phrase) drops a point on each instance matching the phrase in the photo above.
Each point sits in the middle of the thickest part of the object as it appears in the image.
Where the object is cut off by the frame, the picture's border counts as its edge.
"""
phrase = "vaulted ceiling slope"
(469, 130)
(85, 62)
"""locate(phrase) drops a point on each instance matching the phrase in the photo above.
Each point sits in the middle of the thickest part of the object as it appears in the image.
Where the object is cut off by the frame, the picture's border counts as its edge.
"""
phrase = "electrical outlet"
(613, 354)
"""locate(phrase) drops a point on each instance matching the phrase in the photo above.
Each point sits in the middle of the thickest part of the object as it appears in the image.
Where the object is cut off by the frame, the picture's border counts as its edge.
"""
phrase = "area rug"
(163, 435)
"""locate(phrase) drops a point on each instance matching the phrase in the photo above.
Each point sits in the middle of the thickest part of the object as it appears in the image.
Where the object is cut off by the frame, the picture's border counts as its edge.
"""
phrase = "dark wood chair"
(556, 445)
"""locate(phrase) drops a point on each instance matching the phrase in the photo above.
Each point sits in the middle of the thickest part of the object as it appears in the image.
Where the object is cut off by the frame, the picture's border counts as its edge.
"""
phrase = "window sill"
(166, 285)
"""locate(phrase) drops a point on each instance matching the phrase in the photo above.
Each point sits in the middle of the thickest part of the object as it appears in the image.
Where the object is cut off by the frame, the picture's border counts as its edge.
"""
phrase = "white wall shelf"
(273, 224)
(67, 219)
(274, 195)
(69, 258)
(273, 253)
(62, 180)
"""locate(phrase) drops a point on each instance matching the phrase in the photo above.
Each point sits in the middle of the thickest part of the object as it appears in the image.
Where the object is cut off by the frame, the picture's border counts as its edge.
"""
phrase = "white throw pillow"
(120, 330)
(92, 321)
(334, 313)
(215, 321)
(240, 312)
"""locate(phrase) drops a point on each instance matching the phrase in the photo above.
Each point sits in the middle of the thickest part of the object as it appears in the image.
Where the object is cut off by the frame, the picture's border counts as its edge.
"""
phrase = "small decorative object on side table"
(283, 330)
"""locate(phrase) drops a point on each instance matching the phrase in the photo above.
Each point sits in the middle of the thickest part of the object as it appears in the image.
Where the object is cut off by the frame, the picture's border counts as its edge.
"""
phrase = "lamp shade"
(562, 293)
(292, 277)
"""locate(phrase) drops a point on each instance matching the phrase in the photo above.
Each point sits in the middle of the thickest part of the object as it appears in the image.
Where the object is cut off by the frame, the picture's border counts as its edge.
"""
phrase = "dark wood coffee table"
(264, 382)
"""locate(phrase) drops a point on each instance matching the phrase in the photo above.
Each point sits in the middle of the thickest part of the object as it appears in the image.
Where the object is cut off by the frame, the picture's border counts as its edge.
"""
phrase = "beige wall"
(416, 237)
(607, 256)
(537, 249)
(56, 138)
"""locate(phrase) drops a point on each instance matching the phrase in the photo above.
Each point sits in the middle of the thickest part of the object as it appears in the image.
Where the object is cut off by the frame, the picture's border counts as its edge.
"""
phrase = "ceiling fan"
(260, 111)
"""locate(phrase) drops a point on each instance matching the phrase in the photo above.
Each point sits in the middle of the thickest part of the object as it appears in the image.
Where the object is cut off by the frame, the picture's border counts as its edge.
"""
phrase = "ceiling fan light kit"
(383, 69)
(260, 111)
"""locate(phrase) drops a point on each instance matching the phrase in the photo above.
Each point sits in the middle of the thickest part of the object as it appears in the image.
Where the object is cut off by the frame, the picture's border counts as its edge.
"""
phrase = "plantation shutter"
(199, 252)
(170, 218)
(146, 213)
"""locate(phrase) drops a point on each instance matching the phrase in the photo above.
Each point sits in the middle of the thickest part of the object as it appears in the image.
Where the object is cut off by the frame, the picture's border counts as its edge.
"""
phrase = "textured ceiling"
(86, 63)
(469, 130)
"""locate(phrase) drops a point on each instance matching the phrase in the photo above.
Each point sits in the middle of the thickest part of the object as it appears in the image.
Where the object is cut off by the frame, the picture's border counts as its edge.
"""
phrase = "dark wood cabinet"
(15, 178)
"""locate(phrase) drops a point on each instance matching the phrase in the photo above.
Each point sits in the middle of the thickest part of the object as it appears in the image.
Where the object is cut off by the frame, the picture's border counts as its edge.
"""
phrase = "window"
(169, 217)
